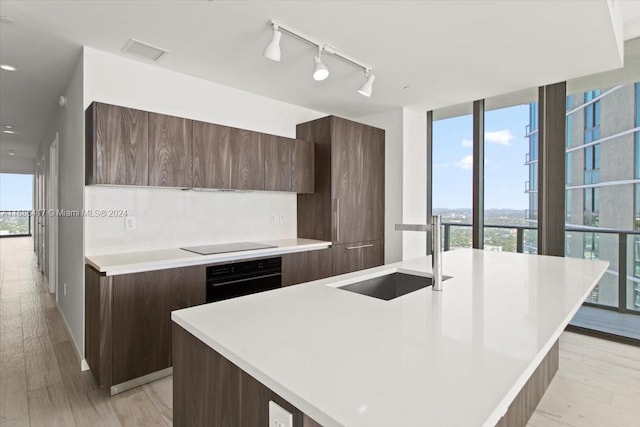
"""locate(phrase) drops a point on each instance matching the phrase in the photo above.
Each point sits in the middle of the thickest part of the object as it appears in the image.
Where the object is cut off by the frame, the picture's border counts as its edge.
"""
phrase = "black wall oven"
(243, 278)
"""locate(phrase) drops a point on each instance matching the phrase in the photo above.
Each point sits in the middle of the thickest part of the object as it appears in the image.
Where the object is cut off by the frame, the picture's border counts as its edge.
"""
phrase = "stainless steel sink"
(390, 286)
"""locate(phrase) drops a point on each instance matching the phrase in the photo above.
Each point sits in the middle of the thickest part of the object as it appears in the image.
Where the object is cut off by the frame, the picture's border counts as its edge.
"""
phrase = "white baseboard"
(84, 366)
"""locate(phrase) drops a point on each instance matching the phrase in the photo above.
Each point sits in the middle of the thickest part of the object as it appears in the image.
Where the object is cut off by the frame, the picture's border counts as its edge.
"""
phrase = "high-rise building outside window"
(602, 183)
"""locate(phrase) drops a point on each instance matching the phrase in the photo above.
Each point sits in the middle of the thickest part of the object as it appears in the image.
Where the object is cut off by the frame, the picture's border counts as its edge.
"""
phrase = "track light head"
(367, 87)
(272, 51)
(320, 71)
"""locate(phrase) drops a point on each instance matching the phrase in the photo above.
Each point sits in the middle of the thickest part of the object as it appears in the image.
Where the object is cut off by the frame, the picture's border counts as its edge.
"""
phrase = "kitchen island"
(479, 353)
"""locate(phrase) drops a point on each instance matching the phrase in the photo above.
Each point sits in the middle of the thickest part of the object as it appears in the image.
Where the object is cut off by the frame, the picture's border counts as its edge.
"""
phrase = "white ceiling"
(446, 51)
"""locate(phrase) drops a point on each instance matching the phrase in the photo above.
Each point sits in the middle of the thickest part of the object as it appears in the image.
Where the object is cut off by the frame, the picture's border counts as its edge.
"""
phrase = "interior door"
(347, 160)
(52, 196)
(41, 217)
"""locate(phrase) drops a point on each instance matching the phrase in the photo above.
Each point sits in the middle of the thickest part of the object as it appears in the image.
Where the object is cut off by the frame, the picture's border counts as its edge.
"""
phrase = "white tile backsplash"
(169, 218)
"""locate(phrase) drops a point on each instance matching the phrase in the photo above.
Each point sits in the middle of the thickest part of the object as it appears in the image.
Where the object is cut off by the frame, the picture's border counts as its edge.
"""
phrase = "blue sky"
(505, 148)
(16, 191)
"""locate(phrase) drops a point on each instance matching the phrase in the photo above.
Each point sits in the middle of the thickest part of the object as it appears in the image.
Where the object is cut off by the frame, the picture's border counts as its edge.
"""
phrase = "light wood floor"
(598, 383)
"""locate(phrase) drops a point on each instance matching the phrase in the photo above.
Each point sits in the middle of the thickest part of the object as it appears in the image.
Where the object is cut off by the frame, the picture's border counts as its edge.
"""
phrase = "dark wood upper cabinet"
(132, 147)
(170, 155)
(116, 145)
(348, 203)
(278, 159)
(246, 160)
(303, 166)
(227, 158)
(211, 155)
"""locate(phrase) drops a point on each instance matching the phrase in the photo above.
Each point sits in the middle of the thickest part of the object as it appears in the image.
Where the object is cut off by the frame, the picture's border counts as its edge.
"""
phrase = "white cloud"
(500, 137)
(467, 143)
(465, 163)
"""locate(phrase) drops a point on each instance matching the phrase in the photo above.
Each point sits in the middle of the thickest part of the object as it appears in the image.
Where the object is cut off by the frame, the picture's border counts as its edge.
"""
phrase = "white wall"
(69, 122)
(170, 217)
(414, 170)
(392, 122)
(16, 164)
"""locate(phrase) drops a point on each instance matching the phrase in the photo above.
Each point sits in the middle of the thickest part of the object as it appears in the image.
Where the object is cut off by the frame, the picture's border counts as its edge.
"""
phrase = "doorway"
(52, 206)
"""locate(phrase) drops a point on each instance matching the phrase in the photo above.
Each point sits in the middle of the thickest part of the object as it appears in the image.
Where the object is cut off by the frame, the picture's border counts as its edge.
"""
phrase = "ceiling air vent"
(138, 48)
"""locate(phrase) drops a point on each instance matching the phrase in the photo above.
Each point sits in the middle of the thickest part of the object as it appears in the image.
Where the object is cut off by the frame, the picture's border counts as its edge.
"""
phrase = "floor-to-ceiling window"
(452, 178)
(633, 270)
(510, 179)
(603, 180)
(16, 204)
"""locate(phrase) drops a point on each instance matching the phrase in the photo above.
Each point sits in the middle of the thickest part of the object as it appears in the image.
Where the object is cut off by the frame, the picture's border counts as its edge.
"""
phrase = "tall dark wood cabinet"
(117, 145)
(170, 161)
(347, 207)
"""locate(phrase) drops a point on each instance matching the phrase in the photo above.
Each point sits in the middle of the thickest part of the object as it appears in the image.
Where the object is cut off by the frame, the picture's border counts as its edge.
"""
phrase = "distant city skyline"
(505, 149)
(16, 191)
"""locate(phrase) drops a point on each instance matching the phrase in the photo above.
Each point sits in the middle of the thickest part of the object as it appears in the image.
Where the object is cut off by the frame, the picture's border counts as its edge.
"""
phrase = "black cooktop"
(227, 247)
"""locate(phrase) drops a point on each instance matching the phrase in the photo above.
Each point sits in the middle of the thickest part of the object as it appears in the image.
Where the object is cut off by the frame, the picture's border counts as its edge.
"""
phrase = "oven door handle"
(247, 279)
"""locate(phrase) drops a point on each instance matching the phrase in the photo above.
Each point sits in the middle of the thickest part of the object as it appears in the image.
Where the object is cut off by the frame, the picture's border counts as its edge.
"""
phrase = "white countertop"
(136, 262)
(451, 358)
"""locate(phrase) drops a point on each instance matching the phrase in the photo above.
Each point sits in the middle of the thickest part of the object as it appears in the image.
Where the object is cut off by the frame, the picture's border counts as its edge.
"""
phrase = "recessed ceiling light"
(6, 20)
(8, 131)
(12, 153)
(8, 126)
(8, 67)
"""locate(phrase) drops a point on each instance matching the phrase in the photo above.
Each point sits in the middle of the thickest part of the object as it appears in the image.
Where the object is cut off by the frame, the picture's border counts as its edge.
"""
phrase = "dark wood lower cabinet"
(98, 313)
(357, 256)
(128, 319)
(301, 267)
(142, 306)
(209, 390)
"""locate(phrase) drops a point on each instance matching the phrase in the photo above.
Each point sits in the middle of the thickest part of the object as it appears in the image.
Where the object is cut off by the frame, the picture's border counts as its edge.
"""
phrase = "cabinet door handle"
(349, 248)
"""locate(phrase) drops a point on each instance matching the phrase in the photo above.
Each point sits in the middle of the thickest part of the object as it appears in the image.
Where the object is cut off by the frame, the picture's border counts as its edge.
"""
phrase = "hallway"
(40, 380)
(598, 383)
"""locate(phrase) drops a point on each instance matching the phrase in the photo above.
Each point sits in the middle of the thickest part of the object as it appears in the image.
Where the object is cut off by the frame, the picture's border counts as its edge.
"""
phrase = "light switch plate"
(130, 223)
(278, 416)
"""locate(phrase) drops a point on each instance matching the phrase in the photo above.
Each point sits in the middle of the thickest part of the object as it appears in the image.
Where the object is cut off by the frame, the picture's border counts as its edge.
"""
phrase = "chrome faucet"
(436, 252)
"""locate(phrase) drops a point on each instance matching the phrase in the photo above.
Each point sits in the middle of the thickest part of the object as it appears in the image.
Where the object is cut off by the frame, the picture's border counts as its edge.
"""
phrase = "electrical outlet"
(272, 218)
(130, 223)
(64, 289)
(282, 218)
(278, 416)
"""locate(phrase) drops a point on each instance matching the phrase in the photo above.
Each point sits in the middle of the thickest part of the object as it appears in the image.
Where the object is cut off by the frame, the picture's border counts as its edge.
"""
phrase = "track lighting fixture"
(367, 86)
(272, 51)
(320, 70)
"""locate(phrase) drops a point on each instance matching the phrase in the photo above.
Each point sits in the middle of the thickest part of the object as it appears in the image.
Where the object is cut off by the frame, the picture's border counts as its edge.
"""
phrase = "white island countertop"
(452, 358)
(137, 262)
